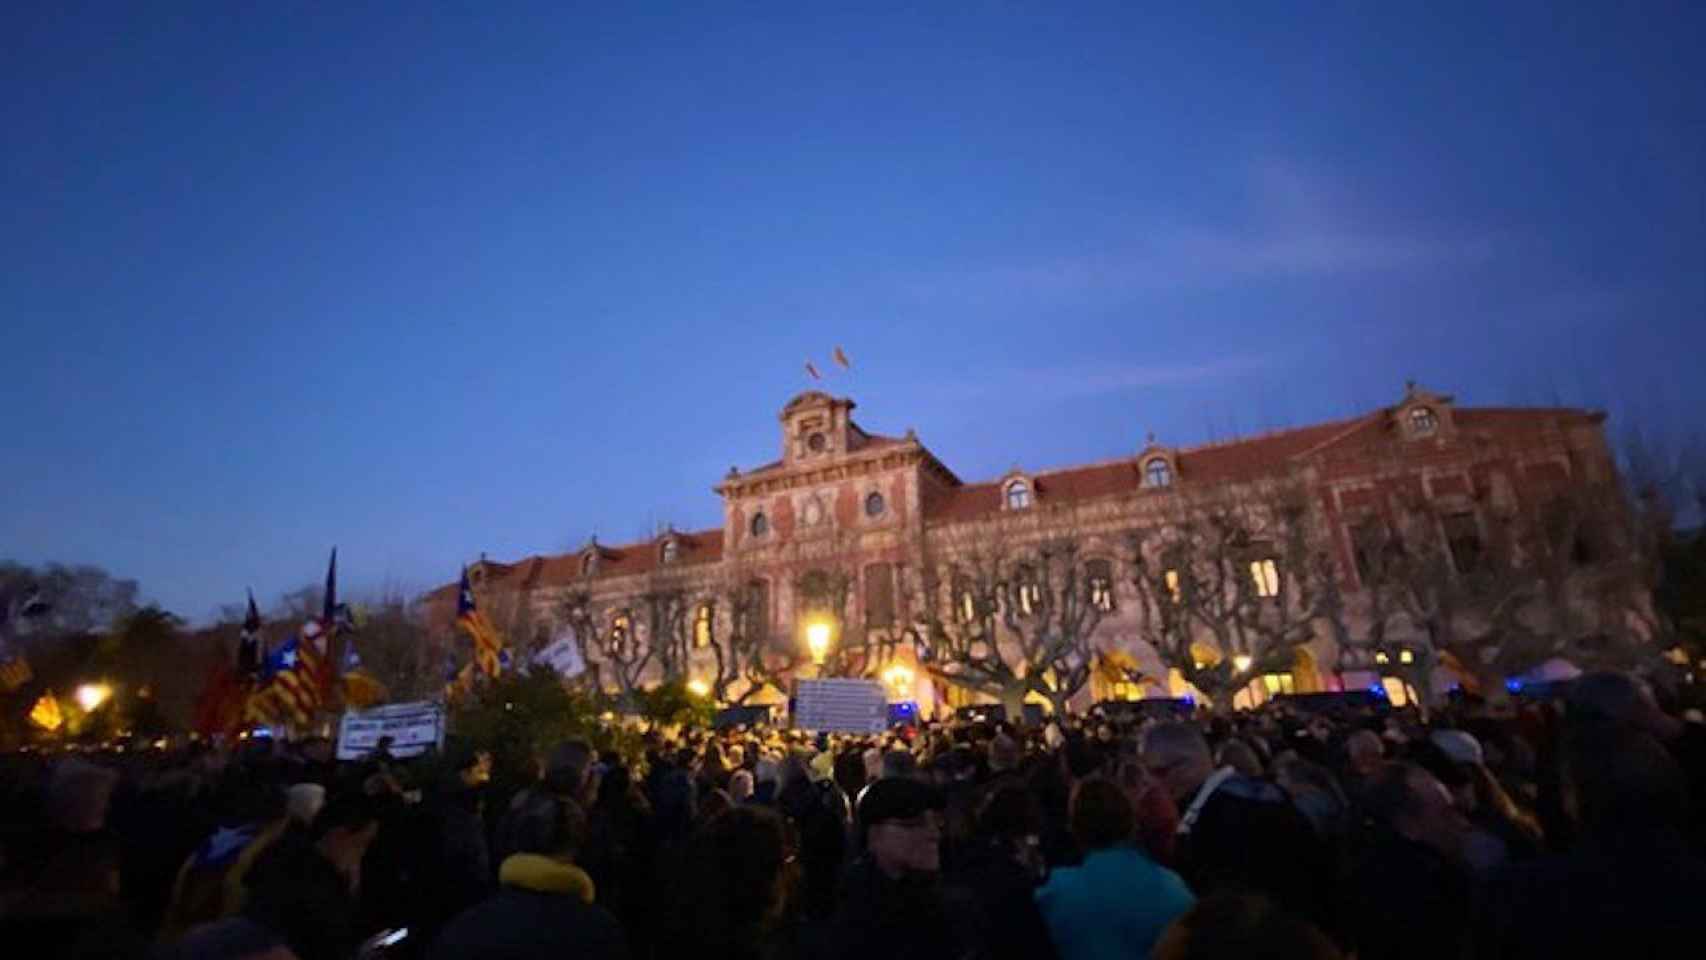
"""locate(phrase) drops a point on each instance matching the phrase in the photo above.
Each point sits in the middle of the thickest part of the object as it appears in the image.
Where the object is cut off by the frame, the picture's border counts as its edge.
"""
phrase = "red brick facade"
(843, 498)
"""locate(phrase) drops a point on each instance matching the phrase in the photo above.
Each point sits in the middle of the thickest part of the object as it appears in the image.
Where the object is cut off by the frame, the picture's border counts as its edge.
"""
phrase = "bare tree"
(664, 608)
(1232, 583)
(1006, 620)
(610, 644)
(750, 653)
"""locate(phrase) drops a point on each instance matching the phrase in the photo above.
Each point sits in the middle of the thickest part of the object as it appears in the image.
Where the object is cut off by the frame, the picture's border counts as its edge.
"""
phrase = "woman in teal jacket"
(1118, 903)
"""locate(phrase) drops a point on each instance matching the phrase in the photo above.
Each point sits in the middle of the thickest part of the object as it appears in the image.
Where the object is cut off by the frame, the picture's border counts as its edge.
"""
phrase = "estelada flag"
(487, 643)
(841, 359)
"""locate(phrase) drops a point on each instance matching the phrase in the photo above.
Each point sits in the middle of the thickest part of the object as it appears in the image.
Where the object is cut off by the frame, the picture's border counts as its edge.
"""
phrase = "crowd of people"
(1556, 828)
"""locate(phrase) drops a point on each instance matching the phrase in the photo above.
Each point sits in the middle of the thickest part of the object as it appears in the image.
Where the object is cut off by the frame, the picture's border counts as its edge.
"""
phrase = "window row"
(1017, 493)
(876, 505)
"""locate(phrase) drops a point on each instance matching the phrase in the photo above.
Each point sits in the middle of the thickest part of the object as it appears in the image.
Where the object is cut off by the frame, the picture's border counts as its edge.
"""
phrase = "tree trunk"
(1013, 701)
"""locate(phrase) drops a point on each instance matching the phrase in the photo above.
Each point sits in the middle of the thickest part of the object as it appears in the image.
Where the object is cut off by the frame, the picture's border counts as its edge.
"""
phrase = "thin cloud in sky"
(1054, 384)
(1298, 227)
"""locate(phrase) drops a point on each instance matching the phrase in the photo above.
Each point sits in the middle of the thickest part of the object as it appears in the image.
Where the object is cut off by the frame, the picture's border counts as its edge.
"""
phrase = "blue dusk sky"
(425, 282)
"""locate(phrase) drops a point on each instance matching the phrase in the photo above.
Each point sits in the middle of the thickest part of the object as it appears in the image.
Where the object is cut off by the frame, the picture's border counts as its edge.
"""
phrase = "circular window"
(760, 524)
(874, 505)
(816, 442)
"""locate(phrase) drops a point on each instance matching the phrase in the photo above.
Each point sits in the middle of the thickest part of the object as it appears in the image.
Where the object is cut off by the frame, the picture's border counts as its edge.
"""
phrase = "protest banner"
(841, 706)
(413, 728)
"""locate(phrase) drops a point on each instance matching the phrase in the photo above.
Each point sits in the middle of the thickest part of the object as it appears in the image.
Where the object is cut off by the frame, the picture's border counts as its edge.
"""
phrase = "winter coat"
(299, 895)
(905, 919)
(542, 911)
(1116, 905)
(1633, 893)
(1003, 892)
(1403, 900)
(1249, 838)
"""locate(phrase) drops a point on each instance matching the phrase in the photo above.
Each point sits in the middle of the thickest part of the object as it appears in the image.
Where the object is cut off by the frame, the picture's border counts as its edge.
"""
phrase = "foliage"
(671, 703)
(520, 715)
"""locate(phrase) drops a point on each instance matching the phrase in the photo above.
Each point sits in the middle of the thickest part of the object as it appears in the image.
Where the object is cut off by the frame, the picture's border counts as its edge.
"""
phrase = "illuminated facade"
(870, 507)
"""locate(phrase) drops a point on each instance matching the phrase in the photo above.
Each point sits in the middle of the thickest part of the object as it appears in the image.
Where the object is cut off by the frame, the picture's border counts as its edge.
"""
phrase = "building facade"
(862, 553)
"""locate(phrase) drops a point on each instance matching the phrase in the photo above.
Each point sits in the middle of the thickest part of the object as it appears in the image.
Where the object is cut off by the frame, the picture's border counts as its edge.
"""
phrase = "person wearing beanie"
(891, 901)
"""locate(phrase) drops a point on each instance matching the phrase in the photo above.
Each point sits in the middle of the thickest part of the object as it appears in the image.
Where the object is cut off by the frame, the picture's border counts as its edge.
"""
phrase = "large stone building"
(915, 572)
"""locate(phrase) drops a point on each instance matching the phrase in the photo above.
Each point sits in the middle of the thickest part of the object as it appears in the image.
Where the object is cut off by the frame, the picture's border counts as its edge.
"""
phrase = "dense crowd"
(1567, 828)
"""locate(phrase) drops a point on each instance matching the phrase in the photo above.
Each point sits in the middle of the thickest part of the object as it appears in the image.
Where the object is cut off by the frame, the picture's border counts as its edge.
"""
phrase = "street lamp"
(898, 677)
(817, 640)
(91, 695)
(1242, 662)
(698, 688)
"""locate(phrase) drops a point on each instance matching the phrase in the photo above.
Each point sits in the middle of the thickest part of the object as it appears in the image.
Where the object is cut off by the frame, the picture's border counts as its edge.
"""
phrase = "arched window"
(874, 504)
(1099, 575)
(704, 622)
(1423, 421)
(671, 551)
(760, 524)
(1018, 495)
(1156, 473)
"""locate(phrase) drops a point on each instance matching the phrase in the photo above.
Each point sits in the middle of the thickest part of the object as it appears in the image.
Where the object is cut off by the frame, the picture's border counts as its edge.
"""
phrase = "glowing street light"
(898, 677)
(92, 695)
(817, 641)
(1242, 662)
(698, 688)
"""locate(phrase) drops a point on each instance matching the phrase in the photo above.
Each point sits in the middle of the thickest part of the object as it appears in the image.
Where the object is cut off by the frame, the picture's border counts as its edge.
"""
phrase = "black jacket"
(301, 897)
(1002, 892)
(1635, 893)
(1250, 838)
(517, 924)
(908, 919)
(1403, 900)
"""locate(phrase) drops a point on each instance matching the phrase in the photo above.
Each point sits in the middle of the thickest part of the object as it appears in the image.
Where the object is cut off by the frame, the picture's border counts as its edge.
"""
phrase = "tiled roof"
(1221, 462)
(556, 570)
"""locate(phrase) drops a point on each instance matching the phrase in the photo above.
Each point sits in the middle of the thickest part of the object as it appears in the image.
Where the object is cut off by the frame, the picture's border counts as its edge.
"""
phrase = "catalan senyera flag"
(488, 645)
(841, 359)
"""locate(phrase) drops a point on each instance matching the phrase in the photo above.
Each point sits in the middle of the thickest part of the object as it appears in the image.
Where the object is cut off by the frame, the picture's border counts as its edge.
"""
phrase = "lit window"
(1100, 575)
(1125, 690)
(760, 524)
(671, 551)
(1264, 576)
(1380, 656)
(620, 624)
(1405, 655)
(1157, 473)
(965, 603)
(1171, 579)
(703, 622)
(874, 505)
(1277, 683)
(1018, 495)
(1030, 593)
(1423, 421)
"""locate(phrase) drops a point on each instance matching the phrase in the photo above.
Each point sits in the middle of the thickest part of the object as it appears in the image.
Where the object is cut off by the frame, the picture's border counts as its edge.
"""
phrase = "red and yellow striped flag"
(488, 644)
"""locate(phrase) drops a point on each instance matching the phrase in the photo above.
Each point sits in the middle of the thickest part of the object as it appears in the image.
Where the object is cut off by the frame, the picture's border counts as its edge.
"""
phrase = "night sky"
(433, 284)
